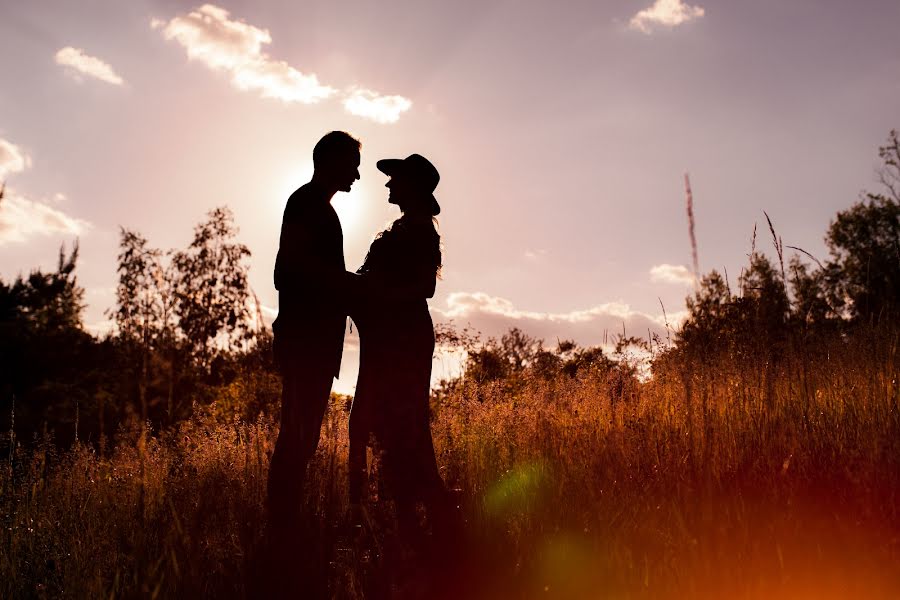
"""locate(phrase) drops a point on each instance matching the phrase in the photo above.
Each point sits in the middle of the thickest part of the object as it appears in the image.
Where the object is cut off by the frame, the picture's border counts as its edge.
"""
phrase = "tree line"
(189, 333)
(187, 327)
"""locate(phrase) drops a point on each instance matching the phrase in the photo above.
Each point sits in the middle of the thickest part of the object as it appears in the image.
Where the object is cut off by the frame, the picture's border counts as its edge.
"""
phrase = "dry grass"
(709, 483)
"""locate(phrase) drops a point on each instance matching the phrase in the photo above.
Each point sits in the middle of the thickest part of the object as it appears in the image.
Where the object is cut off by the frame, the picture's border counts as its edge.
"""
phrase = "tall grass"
(708, 481)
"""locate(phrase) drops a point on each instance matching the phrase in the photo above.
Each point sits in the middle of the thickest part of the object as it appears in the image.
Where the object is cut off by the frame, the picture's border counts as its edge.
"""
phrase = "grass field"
(720, 480)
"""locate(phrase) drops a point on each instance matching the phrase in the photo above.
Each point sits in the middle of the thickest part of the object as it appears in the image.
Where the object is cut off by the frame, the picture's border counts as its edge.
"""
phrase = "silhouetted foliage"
(210, 288)
(864, 241)
(143, 312)
(185, 336)
(184, 324)
(811, 309)
(142, 295)
(518, 358)
(51, 367)
(47, 302)
(775, 307)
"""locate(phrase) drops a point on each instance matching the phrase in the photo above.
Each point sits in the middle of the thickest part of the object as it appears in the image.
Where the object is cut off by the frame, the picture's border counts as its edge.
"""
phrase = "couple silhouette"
(387, 300)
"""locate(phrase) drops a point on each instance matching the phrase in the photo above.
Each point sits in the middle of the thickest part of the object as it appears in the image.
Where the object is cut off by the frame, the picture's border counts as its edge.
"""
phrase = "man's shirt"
(309, 271)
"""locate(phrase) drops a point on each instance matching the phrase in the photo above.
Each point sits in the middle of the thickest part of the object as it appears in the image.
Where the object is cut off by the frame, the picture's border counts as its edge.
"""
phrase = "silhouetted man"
(309, 332)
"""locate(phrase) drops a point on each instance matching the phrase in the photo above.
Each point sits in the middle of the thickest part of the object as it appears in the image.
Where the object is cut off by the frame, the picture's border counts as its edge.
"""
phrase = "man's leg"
(304, 399)
(284, 487)
(294, 560)
(313, 393)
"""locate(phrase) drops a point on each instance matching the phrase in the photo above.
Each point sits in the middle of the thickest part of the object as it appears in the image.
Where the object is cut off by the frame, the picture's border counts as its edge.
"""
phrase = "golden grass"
(712, 482)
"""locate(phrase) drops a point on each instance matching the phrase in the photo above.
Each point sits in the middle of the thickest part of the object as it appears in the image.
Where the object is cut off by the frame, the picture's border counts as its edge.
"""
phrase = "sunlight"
(350, 207)
(292, 177)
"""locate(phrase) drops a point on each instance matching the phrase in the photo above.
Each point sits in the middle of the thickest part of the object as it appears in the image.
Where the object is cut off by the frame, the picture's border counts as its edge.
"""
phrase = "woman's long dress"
(396, 349)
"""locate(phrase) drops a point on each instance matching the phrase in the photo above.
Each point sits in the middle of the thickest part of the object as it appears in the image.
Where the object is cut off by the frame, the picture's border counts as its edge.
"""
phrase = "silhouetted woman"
(396, 347)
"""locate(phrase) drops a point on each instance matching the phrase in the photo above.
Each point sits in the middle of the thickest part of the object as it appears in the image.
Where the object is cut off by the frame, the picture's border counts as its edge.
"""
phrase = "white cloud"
(597, 325)
(666, 273)
(666, 13)
(21, 218)
(372, 105)
(76, 59)
(12, 159)
(235, 47)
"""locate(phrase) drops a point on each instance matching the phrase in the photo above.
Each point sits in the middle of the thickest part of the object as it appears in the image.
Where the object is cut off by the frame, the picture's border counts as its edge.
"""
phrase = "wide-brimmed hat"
(417, 169)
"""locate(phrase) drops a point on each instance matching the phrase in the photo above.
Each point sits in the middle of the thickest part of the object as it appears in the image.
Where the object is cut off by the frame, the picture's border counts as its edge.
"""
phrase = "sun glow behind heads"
(291, 178)
(351, 206)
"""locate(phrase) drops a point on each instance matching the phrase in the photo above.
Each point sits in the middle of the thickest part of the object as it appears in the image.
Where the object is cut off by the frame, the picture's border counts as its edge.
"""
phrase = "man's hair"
(333, 145)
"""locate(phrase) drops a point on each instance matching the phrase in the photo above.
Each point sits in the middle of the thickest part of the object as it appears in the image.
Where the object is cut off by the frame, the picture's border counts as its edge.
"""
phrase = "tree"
(863, 274)
(493, 361)
(518, 356)
(47, 301)
(810, 308)
(141, 294)
(708, 313)
(182, 322)
(578, 361)
(211, 293)
(48, 359)
(765, 302)
(144, 308)
(519, 349)
(487, 363)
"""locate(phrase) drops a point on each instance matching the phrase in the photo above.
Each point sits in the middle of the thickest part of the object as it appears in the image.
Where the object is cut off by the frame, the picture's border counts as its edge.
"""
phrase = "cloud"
(536, 255)
(235, 47)
(76, 59)
(381, 109)
(666, 13)
(666, 273)
(494, 316)
(12, 159)
(21, 218)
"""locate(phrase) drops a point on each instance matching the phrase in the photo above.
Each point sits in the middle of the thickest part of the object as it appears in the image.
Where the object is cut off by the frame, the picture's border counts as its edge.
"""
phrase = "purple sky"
(561, 130)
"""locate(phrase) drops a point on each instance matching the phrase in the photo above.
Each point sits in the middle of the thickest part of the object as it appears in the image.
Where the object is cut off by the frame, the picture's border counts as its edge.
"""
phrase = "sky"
(562, 131)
